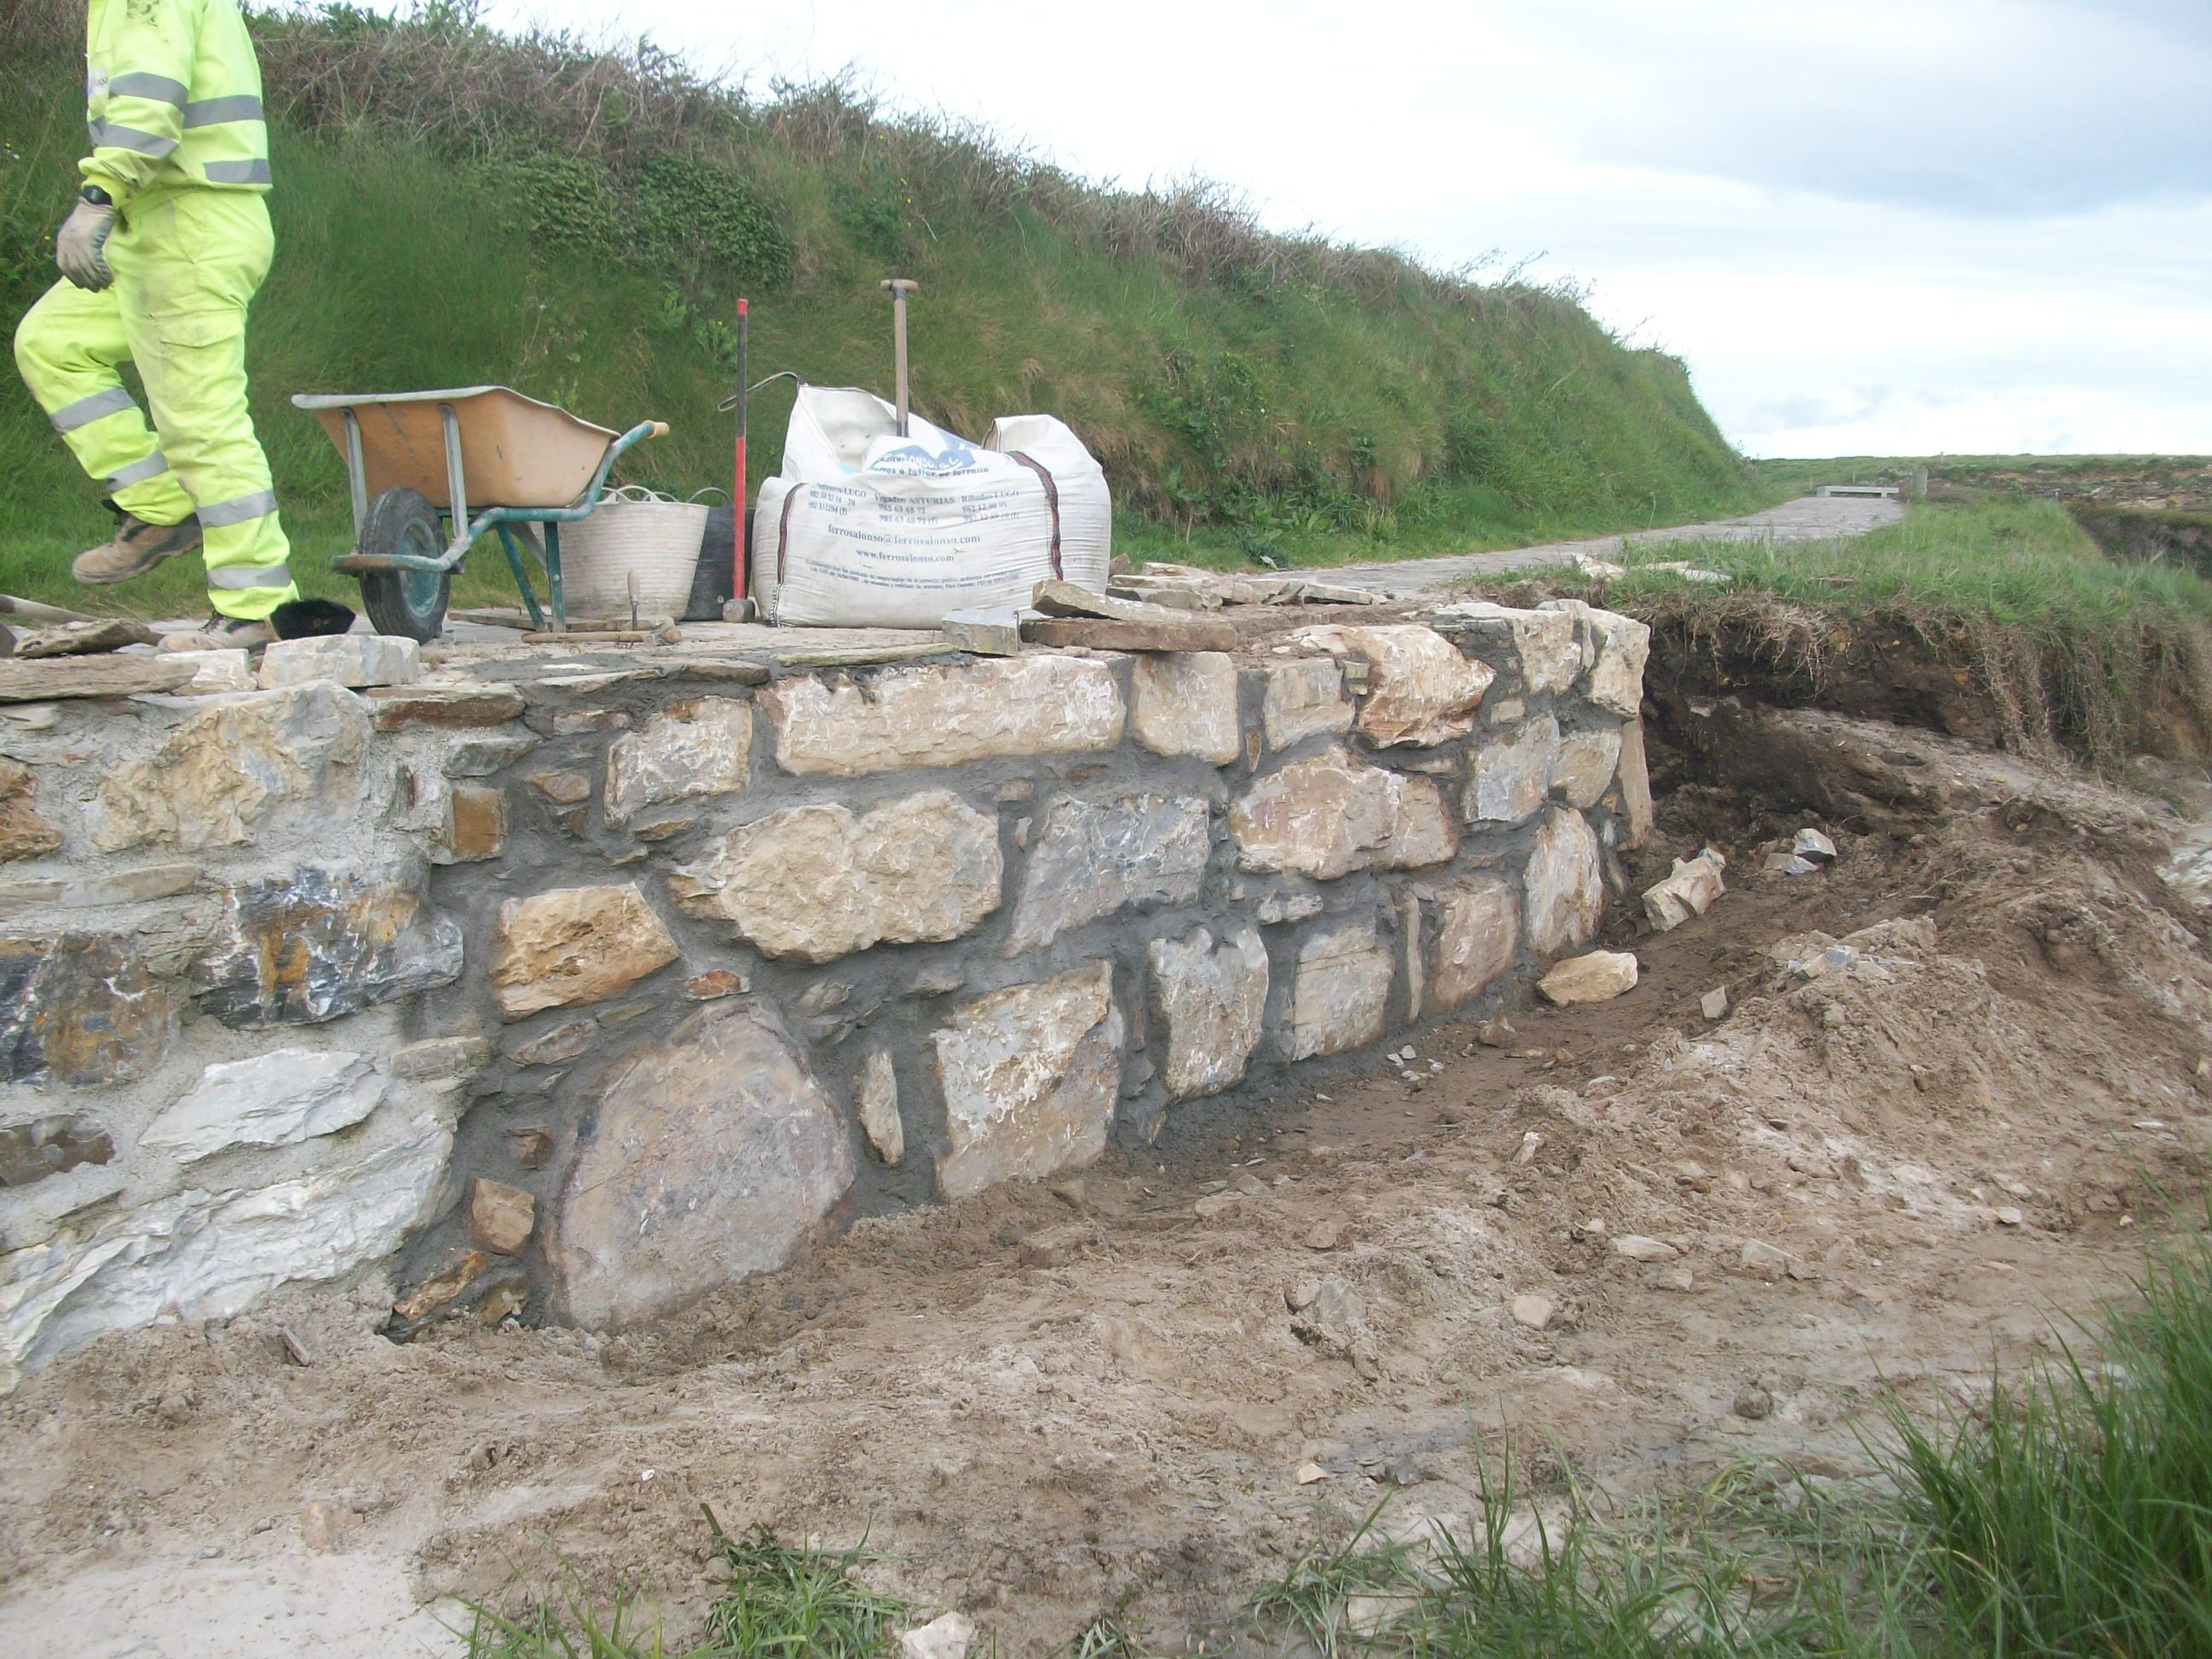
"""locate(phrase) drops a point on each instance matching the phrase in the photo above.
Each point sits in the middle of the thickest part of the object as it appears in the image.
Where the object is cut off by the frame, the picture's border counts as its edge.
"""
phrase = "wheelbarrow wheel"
(409, 603)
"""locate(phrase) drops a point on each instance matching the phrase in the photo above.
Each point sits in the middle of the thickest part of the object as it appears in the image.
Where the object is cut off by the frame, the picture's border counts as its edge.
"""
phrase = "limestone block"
(1598, 977)
(1477, 936)
(23, 833)
(576, 945)
(565, 1041)
(562, 789)
(703, 746)
(1030, 1076)
(436, 1058)
(819, 882)
(1212, 1001)
(1543, 642)
(1185, 703)
(711, 1157)
(317, 944)
(500, 1217)
(221, 773)
(1330, 814)
(275, 1099)
(1094, 857)
(1688, 891)
(943, 716)
(986, 632)
(352, 660)
(1304, 697)
(198, 1255)
(1635, 783)
(1566, 898)
(876, 1090)
(82, 1009)
(1616, 682)
(475, 825)
(214, 672)
(1614, 648)
(1419, 689)
(1586, 765)
(1340, 995)
(1513, 774)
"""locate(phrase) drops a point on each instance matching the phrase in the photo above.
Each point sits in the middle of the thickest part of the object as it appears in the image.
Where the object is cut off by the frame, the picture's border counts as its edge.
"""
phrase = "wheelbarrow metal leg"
(506, 539)
(553, 576)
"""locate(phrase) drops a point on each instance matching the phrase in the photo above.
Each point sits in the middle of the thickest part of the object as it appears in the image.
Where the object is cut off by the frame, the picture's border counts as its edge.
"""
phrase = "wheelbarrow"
(430, 471)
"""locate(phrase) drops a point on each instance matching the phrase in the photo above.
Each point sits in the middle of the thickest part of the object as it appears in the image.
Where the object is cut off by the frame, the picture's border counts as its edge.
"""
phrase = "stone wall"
(573, 990)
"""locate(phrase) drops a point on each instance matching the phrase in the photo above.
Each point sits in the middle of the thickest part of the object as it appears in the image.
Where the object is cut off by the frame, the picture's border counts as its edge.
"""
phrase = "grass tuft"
(774, 1602)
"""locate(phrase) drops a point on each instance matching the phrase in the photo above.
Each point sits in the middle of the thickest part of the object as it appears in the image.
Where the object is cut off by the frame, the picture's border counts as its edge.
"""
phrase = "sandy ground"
(1032, 1402)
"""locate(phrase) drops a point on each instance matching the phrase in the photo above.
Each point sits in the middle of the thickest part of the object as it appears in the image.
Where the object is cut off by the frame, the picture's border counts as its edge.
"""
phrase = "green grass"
(455, 206)
(774, 1602)
(2017, 562)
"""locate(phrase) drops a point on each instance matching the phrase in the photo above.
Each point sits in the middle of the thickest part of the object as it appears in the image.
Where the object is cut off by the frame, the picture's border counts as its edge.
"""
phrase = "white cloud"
(1876, 227)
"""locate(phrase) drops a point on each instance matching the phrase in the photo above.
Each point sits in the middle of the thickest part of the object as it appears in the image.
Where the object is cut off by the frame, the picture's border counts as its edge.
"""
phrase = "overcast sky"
(1876, 227)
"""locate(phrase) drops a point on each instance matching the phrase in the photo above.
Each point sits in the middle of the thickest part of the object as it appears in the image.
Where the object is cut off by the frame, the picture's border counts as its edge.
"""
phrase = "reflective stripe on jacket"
(172, 97)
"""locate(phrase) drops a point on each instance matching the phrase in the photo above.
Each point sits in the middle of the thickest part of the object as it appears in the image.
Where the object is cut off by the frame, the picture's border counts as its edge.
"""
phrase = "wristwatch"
(96, 196)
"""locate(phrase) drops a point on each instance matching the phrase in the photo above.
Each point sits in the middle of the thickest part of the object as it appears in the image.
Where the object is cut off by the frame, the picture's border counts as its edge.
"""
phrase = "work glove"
(78, 243)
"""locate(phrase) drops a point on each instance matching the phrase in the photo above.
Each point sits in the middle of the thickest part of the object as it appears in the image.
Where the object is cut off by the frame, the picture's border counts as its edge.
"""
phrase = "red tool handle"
(739, 549)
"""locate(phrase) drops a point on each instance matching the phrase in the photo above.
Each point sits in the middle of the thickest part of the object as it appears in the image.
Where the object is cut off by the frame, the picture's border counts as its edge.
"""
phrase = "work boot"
(137, 548)
(221, 634)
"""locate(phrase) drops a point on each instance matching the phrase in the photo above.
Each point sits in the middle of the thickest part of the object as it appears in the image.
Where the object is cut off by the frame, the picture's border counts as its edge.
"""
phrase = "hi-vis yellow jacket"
(172, 98)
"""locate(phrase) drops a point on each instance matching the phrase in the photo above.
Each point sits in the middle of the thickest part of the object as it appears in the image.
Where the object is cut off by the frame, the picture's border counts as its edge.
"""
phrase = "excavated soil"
(1028, 1404)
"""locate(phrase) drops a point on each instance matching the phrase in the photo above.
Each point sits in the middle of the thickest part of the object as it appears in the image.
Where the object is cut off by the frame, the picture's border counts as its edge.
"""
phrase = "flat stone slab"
(1183, 631)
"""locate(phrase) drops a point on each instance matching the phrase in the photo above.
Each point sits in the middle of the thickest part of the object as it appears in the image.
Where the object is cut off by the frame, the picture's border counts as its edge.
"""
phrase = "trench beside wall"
(572, 990)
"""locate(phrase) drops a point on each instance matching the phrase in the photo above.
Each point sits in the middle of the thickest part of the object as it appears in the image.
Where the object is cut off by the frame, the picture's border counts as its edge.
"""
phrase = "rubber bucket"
(632, 532)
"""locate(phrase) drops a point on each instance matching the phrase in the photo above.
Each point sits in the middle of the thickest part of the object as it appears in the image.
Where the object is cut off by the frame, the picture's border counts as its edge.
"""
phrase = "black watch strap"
(97, 197)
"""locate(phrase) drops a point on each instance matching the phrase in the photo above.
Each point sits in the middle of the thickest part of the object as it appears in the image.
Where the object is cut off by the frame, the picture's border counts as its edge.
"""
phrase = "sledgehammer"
(899, 287)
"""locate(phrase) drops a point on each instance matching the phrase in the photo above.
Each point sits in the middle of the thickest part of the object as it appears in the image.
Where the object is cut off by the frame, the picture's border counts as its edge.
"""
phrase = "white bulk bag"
(864, 528)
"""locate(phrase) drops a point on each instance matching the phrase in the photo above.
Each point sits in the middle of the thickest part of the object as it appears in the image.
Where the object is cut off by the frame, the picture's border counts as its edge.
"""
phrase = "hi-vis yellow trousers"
(186, 264)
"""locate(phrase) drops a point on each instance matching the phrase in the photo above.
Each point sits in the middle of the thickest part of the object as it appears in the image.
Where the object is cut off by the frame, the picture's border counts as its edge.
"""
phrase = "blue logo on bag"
(915, 460)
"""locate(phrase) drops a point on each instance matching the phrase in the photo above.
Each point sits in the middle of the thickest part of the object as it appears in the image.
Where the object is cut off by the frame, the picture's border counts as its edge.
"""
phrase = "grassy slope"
(1246, 394)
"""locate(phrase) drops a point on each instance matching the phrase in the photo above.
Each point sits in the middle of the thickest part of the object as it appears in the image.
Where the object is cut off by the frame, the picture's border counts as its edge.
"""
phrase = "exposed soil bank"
(1034, 1401)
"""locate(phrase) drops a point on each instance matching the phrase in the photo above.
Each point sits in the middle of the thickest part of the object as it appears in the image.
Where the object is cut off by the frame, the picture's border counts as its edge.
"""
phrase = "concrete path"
(1812, 518)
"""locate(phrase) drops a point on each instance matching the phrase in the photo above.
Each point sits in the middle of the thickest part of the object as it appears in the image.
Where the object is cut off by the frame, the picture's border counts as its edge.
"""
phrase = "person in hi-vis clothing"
(160, 257)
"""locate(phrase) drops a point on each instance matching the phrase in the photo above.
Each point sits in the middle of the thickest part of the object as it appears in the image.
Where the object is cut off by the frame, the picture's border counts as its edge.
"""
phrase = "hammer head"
(899, 286)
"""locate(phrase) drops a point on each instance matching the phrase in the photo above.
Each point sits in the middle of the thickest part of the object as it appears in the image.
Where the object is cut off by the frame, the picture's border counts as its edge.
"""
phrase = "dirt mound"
(1954, 1065)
